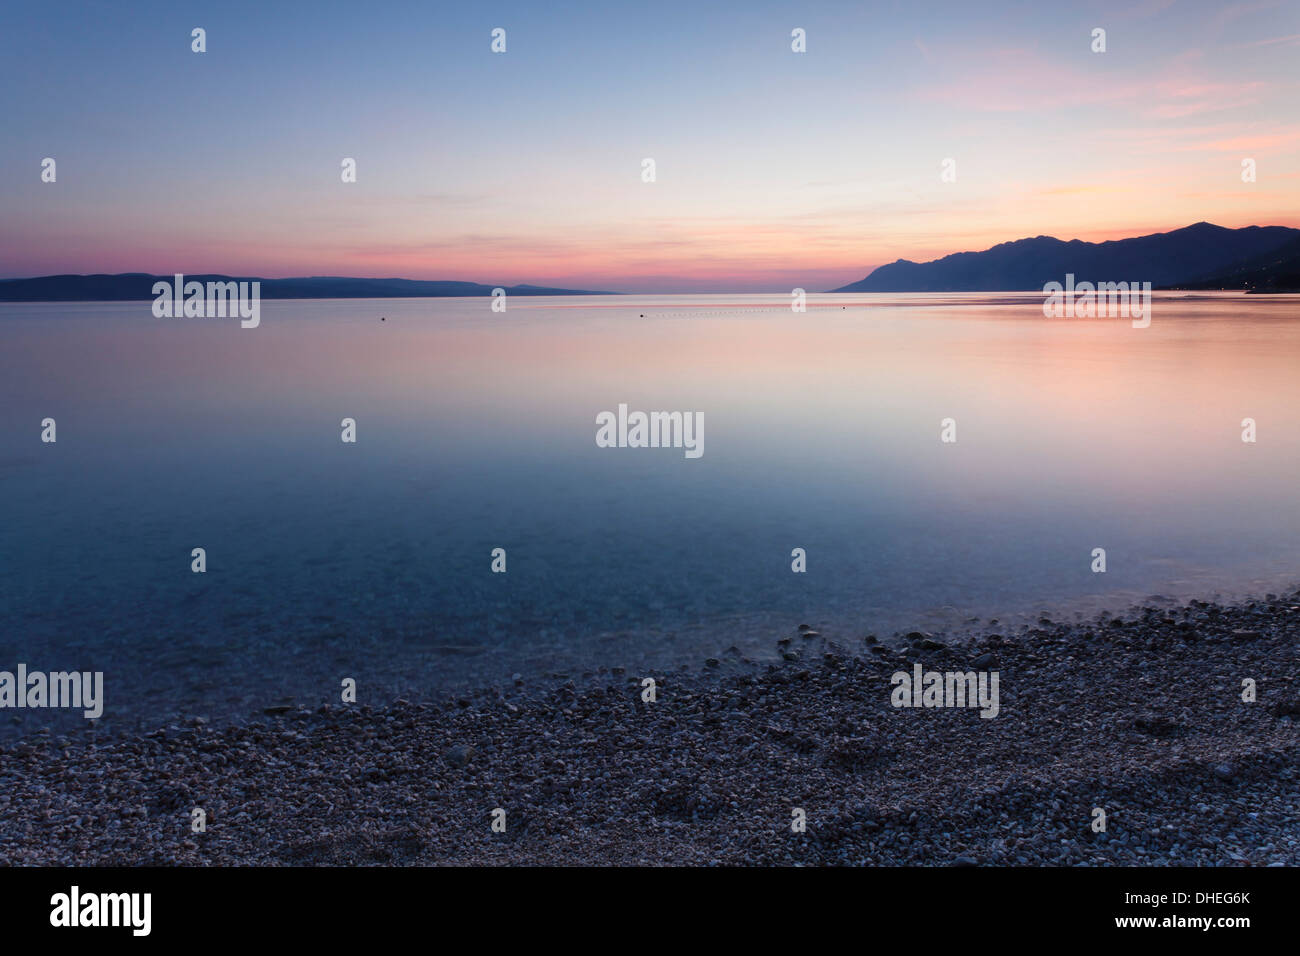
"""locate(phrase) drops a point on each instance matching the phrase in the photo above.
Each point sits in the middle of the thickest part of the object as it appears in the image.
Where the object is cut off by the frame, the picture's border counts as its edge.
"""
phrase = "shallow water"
(477, 430)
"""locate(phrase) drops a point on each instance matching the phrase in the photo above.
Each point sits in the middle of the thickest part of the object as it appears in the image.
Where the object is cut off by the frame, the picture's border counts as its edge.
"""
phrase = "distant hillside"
(1164, 259)
(1276, 271)
(139, 285)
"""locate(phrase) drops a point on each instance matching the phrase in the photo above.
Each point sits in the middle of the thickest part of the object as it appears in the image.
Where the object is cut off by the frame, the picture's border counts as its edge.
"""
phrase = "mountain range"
(139, 285)
(1200, 256)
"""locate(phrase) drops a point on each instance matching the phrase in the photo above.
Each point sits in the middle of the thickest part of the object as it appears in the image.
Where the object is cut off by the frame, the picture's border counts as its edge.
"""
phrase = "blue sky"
(774, 169)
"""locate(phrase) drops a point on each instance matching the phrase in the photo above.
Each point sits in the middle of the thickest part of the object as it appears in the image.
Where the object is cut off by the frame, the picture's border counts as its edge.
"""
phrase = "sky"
(773, 169)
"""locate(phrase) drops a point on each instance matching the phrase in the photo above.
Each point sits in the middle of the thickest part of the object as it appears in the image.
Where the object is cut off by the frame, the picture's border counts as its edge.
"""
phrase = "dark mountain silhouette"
(1164, 259)
(1276, 271)
(139, 285)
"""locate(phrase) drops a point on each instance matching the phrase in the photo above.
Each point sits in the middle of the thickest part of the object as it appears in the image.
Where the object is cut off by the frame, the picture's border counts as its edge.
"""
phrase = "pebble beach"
(1139, 715)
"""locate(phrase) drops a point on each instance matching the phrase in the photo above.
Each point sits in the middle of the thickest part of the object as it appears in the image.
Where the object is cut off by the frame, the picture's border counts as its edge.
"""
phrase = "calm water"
(477, 430)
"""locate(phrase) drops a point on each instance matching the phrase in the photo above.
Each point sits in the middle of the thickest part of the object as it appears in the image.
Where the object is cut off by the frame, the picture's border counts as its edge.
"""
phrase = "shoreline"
(1139, 715)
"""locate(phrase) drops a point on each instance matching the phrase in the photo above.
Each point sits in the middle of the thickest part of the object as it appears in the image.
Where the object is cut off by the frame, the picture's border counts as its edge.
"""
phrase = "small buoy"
(381, 318)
